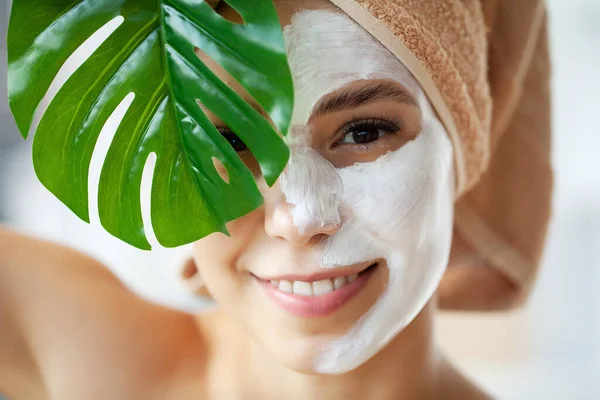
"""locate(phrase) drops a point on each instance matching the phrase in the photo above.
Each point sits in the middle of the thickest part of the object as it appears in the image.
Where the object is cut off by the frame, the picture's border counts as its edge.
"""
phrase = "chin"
(297, 341)
(298, 354)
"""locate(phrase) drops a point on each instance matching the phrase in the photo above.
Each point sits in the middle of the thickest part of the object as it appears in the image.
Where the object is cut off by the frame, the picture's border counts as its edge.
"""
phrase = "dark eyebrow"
(354, 97)
(370, 93)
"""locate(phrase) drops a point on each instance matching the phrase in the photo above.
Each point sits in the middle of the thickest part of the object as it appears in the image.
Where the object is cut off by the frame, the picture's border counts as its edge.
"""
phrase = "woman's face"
(354, 237)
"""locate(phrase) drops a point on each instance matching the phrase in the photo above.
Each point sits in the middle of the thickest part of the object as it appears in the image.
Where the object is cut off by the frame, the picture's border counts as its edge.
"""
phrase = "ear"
(472, 284)
(190, 276)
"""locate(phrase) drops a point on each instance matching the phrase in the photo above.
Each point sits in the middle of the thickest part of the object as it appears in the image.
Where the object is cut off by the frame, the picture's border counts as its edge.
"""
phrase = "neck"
(405, 369)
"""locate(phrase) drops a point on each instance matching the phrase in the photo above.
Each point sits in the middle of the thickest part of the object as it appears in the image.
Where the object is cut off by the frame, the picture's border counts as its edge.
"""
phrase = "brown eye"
(367, 131)
(365, 135)
(233, 140)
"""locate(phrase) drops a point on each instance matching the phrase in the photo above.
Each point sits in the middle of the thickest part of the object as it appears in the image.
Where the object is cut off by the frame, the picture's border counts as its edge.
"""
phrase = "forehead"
(327, 50)
(285, 10)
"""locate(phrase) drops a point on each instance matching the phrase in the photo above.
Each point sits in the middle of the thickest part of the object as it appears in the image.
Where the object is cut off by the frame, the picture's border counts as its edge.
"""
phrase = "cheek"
(218, 255)
(384, 199)
(400, 197)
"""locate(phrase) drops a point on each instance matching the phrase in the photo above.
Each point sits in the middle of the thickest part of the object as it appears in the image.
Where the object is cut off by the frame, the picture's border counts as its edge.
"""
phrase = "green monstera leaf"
(151, 54)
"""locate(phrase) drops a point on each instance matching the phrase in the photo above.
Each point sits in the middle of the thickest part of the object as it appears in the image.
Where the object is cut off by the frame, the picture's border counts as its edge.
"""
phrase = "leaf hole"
(146, 199)
(221, 170)
(229, 80)
(228, 12)
(72, 64)
(103, 143)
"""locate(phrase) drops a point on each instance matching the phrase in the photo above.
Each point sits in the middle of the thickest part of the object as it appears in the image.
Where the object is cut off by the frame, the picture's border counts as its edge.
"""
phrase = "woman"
(327, 291)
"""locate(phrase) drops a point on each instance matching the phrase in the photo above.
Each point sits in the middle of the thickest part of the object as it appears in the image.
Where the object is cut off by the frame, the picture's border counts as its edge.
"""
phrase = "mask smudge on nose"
(311, 185)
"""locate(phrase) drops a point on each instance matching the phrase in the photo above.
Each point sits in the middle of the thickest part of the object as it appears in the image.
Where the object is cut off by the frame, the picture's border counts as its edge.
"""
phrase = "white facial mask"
(399, 207)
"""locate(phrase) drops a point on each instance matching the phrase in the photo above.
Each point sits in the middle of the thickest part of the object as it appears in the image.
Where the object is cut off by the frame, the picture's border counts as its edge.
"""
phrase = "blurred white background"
(550, 350)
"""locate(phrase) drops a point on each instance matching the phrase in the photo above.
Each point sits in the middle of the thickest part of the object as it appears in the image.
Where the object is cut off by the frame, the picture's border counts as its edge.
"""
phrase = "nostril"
(297, 223)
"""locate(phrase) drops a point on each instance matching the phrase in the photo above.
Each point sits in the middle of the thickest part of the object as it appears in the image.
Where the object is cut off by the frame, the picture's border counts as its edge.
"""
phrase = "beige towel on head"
(504, 218)
(484, 65)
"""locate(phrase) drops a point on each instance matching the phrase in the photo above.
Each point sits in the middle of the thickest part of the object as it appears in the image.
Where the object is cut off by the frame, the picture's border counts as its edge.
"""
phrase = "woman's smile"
(317, 295)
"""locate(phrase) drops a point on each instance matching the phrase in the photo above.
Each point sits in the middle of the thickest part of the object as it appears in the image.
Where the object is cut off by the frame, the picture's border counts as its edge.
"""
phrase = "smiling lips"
(316, 298)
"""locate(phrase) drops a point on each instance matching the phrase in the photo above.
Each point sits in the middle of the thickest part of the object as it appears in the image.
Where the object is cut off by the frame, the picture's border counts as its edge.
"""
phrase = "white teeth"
(339, 282)
(315, 288)
(303, 288)
(286, 286)
(322, 287)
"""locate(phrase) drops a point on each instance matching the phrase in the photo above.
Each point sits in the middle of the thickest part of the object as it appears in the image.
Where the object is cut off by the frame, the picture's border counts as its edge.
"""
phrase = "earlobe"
(191, 278)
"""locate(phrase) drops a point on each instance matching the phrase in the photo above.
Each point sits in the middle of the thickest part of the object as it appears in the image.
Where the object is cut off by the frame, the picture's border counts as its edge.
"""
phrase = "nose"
(279, 222)
(306, 198)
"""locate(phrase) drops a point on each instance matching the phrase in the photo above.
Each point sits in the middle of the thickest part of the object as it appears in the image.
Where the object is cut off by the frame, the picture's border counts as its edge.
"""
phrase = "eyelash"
(384, 123)
(230, 136)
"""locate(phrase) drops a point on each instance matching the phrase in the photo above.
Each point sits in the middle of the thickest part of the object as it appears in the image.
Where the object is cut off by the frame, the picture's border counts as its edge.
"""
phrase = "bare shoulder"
(72, 319)
(38, 276)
